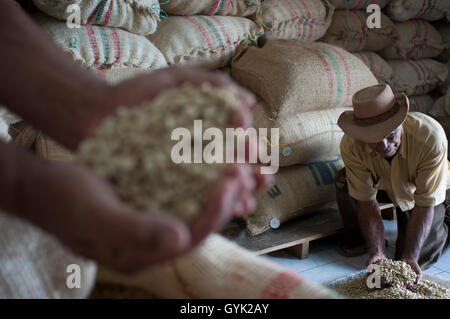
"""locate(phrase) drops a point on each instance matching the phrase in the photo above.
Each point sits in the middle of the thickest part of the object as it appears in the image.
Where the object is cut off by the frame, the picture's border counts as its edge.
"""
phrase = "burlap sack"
(438, 109)
(103, 47)
(357, 4)
(349, 30)
(116, 76)
(417, 77)
(306, 20)
(204, 41)
(295, 76)
(417, 39)
(420, 103)
(444, 31)
(304, 137)
(298, 190)
(34, 265)
(241, 8)
(137, 16)
(379, 67)
(220, 269)
(430, 10)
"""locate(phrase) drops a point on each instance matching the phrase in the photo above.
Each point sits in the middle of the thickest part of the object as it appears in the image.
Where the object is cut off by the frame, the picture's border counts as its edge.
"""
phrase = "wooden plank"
(324, 222)
(300, 251)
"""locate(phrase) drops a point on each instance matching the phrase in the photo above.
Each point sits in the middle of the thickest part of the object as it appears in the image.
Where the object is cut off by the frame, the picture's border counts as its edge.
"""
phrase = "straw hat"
(376, 113)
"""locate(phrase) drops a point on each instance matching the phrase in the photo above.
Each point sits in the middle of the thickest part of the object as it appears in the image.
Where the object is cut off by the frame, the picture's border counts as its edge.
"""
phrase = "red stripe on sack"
(348, 99)
(363, 26)
(116, 43)
(425, 32)
(91, 17)
(214, 7)
(108, 13)
(329, 74)
(184, 285)
(225, 36)
(281, 286)
(426, 69)
(416, 47)
(421, 9)
(93, 41)
(299, 23)
(358, 6)
(228, 7)
(202, 31)
(308, 11)
(417, 72)
(370, 57)
(430, 9)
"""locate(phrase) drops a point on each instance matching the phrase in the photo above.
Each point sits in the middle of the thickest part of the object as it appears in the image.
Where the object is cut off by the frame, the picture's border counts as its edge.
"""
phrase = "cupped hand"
(415, 267)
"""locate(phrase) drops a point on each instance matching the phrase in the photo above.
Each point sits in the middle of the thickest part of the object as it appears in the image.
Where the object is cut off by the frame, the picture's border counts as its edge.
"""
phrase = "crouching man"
(391, 155)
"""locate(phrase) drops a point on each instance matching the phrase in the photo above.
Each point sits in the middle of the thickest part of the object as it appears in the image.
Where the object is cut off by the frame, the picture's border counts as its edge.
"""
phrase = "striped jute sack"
(103, 47)
(357, 4)
(444, 30)
(417, 77)
(417, 39)
(306, 20)
(204, 41)
(33, 264)
(220, 269)
(303, 137)
(137, 16)
(349, 30)
(421, 103)
(294, 76)
(115, 76)
(241, 8)
(298, 190)
(430, 10)
(379, 67)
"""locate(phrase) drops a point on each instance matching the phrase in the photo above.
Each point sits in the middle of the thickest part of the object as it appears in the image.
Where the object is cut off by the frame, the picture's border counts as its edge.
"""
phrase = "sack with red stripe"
(98, 47)
(417, 39)
(219, 269)
(430, 10)
(204, 41)
(379, 67)
(293, 76)
(417, 77)
(303, 137)
(420, 103)
(349, 30)
(137, 16)
(241, 8)
(298, 190)
(357, 4)
(306, 20)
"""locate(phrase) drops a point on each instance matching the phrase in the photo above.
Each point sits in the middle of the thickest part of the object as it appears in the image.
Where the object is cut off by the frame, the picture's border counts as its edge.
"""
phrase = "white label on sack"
(287, 151)
(274, 223)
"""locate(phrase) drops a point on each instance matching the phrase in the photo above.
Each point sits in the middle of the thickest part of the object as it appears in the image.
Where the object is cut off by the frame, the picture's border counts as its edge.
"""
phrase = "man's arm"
(372, 228)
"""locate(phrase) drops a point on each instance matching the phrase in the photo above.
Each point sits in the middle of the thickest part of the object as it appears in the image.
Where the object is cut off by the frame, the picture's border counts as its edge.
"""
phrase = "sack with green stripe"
(303, 137)
(430, 10)
(240, 8)
(294, 76)
(306, 20)
(204, 41)
(349, 30)
(420, 103)
(417, 77)
(357, 4)
(137, 16)
(379, 67)
(298, 190)
(99, 47)
(417, 39)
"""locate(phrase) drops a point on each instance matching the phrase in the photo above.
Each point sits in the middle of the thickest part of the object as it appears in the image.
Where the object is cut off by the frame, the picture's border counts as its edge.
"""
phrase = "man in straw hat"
(391, 155)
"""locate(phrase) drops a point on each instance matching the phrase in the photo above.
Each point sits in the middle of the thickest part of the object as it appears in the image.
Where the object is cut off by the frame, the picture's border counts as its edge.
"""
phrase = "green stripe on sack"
(100, 12)
(105, 43)
(214, 29)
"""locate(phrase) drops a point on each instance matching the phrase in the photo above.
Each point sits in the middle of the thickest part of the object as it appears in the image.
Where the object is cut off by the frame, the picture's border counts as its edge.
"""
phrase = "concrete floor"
(325, 264)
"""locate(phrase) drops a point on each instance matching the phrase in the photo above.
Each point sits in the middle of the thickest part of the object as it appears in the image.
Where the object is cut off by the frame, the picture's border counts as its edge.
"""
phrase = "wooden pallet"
(294, 236)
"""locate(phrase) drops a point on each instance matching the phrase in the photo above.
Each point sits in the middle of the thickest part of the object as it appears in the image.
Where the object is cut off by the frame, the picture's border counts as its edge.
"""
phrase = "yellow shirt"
(417, 174)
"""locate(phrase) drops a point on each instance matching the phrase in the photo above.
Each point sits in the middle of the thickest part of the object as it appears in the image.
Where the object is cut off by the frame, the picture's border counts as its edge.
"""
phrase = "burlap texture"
(220, 269)
(420, 103)
(438, 109)
(295, 76)
(137, 16)
(204, 41)
(116, 76)
(357, 4)
(379, 67)
(103, 47)
(403, 10)
(304, 137)
(417, 39)
(444, 31)
(349, 30)
(306, 20)
(241, 8)
(298, 190)
(417, 77)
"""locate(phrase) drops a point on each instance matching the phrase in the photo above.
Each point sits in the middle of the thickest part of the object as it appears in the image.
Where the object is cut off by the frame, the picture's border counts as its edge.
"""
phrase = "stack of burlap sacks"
(118, 40)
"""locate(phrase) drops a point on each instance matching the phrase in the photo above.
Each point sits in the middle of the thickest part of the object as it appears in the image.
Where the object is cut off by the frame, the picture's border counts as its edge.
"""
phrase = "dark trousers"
(433, 247)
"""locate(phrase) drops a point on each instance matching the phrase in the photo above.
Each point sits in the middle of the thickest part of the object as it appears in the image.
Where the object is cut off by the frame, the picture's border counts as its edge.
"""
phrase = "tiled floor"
(325, 264)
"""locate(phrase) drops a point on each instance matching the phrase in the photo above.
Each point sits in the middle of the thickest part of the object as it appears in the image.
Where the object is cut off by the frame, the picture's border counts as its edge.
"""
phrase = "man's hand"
(415, 266)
